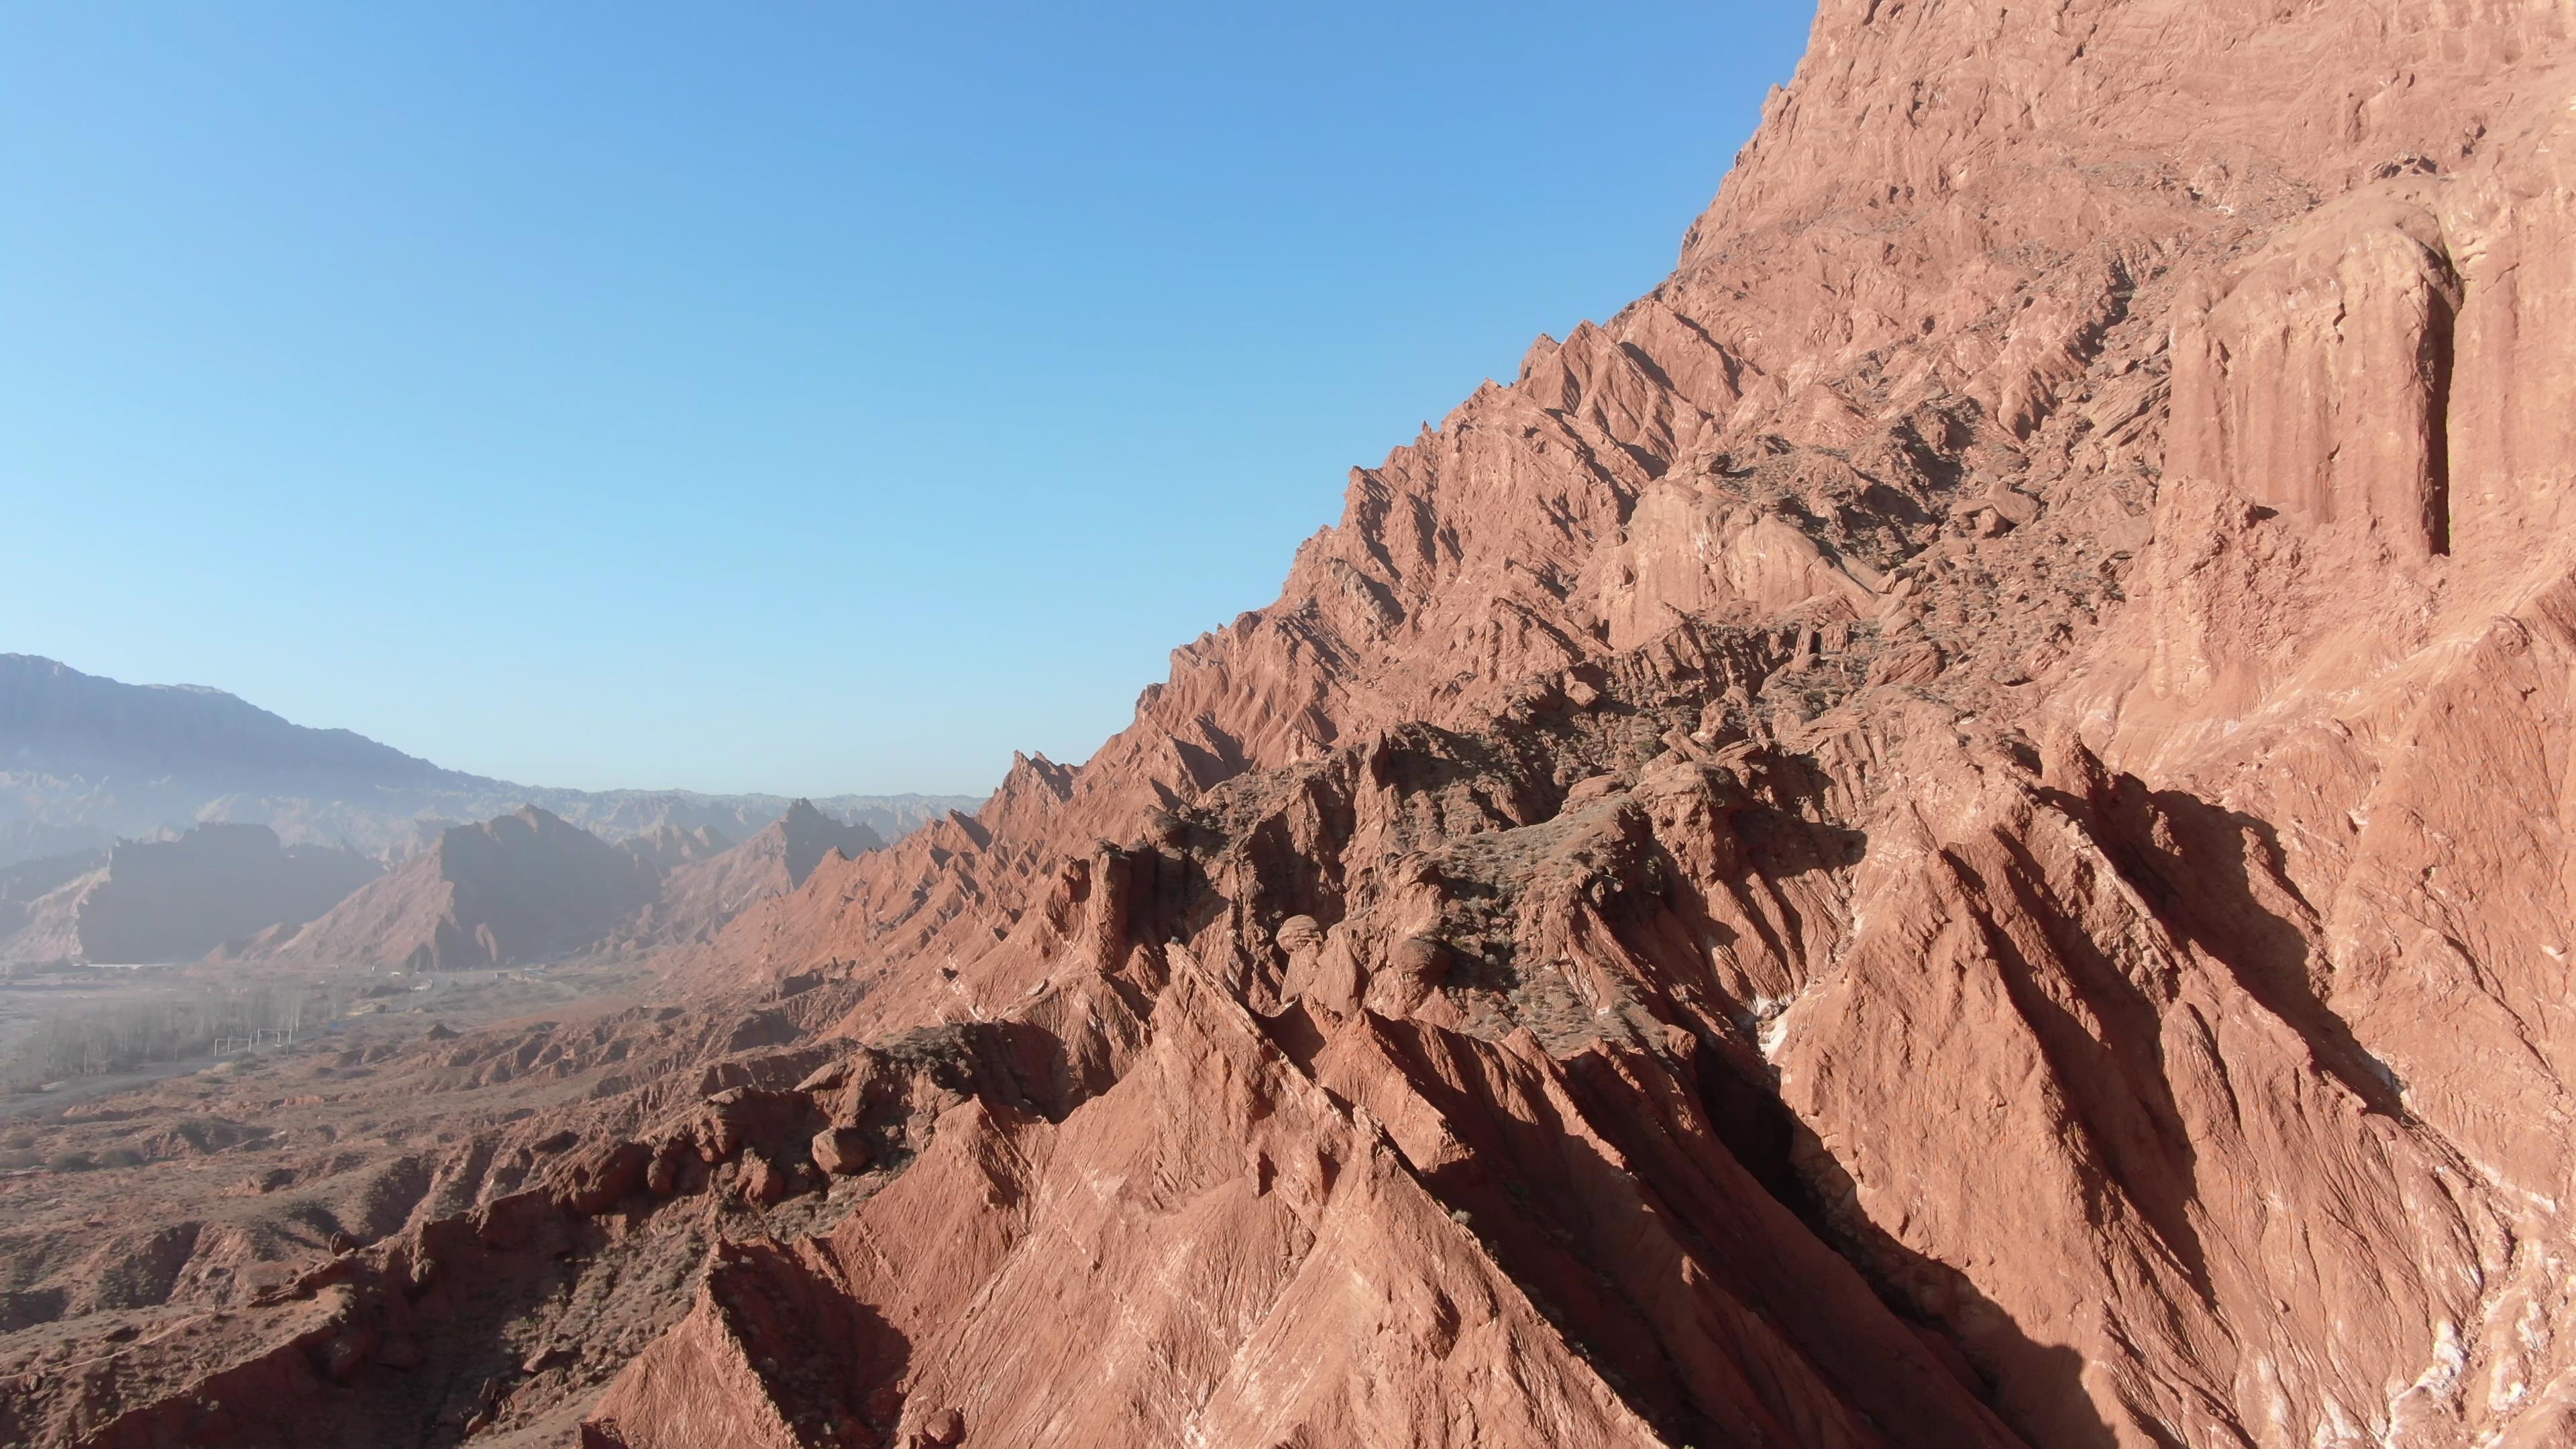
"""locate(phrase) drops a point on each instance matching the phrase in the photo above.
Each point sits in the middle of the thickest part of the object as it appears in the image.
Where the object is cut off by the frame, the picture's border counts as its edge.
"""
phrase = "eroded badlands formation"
(1952, 830)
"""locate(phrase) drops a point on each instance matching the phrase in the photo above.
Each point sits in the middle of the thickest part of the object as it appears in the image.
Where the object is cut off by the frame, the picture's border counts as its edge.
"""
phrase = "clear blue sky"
(798, 397)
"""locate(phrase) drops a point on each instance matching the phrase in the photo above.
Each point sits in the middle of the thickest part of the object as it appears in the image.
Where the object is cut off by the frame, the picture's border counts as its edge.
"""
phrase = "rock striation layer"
(1951, 830)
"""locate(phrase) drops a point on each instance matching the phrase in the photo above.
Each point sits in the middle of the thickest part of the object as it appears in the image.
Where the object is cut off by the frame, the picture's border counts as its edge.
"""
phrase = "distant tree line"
(125, 1036)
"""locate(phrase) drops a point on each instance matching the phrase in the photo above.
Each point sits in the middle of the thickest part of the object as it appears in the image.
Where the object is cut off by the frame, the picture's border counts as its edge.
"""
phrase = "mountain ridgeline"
(525, 887)
(263, 839)
(86, 762)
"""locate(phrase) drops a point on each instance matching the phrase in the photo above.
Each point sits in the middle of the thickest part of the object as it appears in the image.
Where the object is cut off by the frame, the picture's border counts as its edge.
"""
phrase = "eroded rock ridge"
(1951, 830)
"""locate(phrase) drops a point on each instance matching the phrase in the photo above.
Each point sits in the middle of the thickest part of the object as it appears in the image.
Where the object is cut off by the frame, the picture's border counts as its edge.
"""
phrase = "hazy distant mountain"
(699, 897)
(524, 887)
(170, 900)
(530, 886)
(668, 847)
(85, 761)
(54, 717)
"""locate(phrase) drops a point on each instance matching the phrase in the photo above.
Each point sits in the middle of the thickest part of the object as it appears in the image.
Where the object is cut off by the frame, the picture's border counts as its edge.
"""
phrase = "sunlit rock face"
(1951, 830)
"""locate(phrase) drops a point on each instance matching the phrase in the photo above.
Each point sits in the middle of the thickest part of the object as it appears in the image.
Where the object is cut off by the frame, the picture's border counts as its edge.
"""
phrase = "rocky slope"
(85, 761)
(170, 900)
(701, 895)
(1949, 831)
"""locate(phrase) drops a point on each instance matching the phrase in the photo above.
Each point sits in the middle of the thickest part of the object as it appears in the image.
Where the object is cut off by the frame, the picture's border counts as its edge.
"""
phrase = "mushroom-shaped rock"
(1298, 934)
(1597, 787)
(841, 1151)
(764, 1181)
(509, 1222)
(829, 1077)
(1916, 662)
(1415, 967)
(344, 1353)
(1326, 976)
(662, 1175)
(599, 1180)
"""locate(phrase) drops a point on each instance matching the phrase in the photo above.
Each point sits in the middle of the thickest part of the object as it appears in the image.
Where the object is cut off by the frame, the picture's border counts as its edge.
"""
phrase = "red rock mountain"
(1953, 830)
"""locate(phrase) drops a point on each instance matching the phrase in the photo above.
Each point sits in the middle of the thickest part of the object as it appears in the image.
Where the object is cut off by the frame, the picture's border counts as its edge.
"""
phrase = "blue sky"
(798, 397)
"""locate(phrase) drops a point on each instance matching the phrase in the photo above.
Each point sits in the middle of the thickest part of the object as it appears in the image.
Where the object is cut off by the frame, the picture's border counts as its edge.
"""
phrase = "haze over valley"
(253, 858)
(85, 762)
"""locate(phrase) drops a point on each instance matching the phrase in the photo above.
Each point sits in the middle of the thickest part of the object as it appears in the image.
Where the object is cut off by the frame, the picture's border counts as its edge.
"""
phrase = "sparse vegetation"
(70, 1162)
(125, 1036)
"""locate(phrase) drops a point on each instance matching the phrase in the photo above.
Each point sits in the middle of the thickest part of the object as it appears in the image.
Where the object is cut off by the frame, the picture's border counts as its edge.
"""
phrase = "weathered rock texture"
(1952, 830)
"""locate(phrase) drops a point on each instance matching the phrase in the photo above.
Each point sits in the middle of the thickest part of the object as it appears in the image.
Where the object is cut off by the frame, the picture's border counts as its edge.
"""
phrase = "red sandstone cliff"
(2058, 603)
(1949, 831)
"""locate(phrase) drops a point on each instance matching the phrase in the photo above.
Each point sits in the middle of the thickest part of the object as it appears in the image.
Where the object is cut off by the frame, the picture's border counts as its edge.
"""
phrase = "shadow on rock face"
(2208, 875)
(775, 1352)
(2036, 1388)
